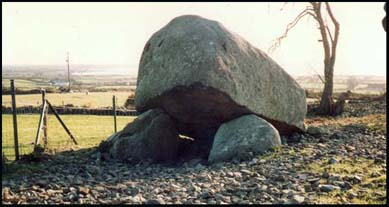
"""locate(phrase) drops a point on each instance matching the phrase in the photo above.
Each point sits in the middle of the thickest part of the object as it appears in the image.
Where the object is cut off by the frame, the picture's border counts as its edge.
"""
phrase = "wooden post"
(62, 123)
(15, 122)
(44, 119)
(38, 133)
(114, 112)
(67, 60)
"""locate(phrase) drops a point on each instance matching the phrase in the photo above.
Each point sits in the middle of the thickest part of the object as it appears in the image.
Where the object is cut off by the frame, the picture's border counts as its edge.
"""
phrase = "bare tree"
(352, 83)
(329, 40)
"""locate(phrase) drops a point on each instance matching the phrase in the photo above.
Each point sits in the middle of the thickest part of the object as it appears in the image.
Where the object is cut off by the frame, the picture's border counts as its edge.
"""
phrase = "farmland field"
(92, 100)
(318, 87)
(88, 130)
(26, 83)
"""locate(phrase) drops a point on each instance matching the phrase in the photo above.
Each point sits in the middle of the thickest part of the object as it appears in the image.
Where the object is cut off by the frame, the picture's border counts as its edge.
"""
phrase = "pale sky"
(115, 33)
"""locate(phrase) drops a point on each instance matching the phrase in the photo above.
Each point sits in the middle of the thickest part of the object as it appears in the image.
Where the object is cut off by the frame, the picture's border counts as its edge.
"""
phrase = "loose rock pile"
(280, 178)
(204, 80)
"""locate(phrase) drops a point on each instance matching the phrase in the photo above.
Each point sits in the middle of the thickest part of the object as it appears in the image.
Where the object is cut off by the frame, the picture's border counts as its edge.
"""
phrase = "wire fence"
(7, 142)
(89, 130)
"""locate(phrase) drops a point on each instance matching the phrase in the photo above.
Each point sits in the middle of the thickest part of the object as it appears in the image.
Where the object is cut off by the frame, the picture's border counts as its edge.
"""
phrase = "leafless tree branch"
(337, 28)
(277, 42)
(329, 33)
(336, 23)
(283, 5)
(318, 75)
(321, 78)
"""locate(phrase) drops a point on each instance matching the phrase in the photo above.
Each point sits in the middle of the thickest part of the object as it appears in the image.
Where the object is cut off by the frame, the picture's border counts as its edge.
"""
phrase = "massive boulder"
(242, 137)
(203, 75)
(152, 136)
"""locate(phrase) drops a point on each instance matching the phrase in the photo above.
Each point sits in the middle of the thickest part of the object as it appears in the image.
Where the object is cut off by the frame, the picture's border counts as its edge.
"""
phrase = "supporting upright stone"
(243, 137)
(152, 136)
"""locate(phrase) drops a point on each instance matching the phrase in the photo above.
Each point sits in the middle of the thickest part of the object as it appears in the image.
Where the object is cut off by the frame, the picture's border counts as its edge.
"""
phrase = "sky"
(115, 33)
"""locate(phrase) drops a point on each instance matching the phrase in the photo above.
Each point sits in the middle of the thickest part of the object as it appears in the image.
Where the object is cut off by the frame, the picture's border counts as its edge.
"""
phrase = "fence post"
(15, 122)
(114, 112)
(60, 121)
(44, 119)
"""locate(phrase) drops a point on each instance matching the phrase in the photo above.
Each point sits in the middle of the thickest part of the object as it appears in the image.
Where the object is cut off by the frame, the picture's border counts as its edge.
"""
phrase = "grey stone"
(247, 172)
(236, 138)
(313, 180)
(347, 185)
(334, 177)
(332, 161)
(194, 188)
(157, 201)
(199, 166)
(151, 136)
(194, 162)
(99, 188)
(357, 179)
(315, 131)
(202, 75)
(328, 188)
(73, 196)
(325, 175)
(352, 195)
(83, 190)
(297, 199)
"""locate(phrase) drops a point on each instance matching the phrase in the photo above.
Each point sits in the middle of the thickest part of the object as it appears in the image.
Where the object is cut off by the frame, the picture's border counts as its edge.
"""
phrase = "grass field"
(93, 99)
(89, 131)
(99, 82)
(338, 88)
(26, 84)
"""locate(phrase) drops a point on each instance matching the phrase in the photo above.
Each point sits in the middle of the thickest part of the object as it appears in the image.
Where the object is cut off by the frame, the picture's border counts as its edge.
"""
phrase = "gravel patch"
(278, 177)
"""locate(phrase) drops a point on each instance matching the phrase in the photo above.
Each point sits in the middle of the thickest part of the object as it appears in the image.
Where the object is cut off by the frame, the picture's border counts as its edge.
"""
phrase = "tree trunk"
(330, 42)
(326, 103)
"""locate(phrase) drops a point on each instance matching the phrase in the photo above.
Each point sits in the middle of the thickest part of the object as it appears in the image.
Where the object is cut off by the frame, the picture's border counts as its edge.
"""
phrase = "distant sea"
(131, 70)
(108, 70)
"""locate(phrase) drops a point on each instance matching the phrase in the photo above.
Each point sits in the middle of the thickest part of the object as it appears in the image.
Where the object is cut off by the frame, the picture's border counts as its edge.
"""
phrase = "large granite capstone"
(202, 75)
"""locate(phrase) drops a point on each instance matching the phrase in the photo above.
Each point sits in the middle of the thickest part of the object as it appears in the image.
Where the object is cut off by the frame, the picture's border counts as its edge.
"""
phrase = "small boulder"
(315, 131)
(328, 188)
(157, 201)
(297, 199)
(238, 137)
(332, 161)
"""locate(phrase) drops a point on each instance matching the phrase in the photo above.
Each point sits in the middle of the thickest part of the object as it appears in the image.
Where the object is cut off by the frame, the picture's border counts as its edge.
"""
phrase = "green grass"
(373, 122)
(365, 167)
(93, 99)
(88, 130)
(26, 83)
(115, 87)
(375, 194)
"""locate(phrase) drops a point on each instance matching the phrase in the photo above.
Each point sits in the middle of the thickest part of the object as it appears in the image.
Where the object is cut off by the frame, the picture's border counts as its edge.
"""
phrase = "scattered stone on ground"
(288, 175)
